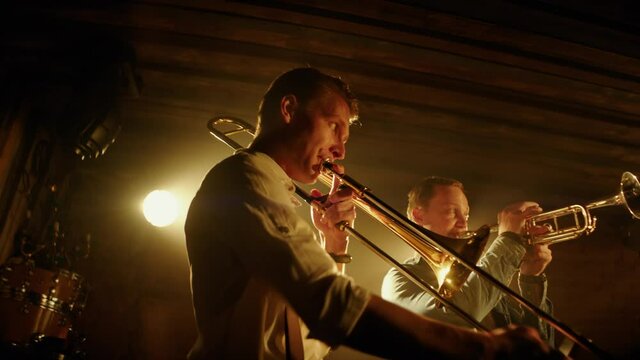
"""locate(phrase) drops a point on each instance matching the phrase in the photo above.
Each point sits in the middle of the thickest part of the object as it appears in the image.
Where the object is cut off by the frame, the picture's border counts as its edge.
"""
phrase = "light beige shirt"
(251, 255)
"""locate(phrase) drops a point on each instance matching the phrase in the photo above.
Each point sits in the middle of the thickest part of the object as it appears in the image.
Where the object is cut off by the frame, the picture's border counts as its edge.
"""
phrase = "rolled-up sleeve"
(477, 296)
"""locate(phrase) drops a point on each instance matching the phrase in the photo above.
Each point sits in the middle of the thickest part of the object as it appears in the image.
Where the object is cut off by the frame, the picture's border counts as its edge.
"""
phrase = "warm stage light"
(160, 208)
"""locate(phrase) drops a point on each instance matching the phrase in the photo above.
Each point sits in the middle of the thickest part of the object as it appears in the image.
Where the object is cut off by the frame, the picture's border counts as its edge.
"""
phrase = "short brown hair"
(305, 84)
(423, 191)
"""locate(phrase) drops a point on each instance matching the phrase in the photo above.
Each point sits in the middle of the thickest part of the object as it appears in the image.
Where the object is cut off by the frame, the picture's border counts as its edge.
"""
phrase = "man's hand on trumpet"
(535, 260)
(513, 218)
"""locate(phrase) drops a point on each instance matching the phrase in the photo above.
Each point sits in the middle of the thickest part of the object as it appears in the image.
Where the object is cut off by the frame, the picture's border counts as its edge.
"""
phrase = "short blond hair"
(305, 84)
(423, 191)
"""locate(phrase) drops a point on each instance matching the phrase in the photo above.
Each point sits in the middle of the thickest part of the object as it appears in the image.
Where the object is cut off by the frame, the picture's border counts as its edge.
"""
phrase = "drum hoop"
(50, 303)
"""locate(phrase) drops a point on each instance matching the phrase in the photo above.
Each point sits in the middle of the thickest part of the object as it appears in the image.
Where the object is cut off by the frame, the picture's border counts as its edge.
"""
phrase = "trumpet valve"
(592, 225)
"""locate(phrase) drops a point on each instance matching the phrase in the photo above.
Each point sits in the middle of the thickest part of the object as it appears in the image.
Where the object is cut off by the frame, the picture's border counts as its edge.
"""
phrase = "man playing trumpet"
(440, 205)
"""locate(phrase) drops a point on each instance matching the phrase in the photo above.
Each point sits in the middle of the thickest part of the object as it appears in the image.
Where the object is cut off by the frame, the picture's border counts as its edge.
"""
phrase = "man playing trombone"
(440, 205)
(256, 265)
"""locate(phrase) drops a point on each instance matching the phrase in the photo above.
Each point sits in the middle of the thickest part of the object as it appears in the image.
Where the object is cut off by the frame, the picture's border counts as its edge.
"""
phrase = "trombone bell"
(458, 273)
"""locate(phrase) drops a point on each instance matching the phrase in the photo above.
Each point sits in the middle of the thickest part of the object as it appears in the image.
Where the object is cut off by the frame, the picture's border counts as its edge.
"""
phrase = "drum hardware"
(41, 297)
(38, 301)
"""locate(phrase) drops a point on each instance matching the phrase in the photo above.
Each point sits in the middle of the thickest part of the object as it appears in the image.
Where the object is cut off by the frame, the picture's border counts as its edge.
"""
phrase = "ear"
(416, 213)
(288, 106)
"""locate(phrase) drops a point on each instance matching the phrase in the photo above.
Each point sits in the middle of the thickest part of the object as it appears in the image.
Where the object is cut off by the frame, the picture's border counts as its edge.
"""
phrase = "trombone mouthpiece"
(327, 168)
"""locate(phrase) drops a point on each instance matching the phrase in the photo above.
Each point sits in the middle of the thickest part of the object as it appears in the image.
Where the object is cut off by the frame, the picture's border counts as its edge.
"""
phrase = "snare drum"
(35, 301)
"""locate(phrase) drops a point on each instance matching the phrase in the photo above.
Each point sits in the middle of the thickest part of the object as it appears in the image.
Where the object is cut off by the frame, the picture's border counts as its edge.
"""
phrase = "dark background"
(520, 100)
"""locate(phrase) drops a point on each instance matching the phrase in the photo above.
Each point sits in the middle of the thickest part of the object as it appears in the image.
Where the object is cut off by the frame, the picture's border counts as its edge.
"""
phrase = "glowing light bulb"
(160, 208)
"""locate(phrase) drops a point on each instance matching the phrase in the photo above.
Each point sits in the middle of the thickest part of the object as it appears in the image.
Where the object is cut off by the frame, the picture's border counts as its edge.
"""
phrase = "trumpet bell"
(630, 191)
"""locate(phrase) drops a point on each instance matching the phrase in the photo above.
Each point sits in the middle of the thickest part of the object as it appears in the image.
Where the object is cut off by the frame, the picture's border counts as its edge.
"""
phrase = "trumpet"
(458, 255)
(584, 223)
(574, 221)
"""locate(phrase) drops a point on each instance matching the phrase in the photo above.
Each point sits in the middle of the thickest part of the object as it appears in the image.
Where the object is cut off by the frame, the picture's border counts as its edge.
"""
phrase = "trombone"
(438, 250)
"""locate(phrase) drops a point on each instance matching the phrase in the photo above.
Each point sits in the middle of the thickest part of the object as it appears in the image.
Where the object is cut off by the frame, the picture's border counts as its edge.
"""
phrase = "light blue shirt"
(476, 297)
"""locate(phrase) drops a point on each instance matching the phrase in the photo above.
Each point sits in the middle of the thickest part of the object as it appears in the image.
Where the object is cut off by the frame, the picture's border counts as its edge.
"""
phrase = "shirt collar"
(278, 171)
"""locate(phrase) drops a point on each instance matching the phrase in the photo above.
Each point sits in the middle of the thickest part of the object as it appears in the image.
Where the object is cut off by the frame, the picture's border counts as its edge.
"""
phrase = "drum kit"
(39, 309)
(41, 298)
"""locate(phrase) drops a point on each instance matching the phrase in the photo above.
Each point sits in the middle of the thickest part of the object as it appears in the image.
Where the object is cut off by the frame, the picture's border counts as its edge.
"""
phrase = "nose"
(338, 151)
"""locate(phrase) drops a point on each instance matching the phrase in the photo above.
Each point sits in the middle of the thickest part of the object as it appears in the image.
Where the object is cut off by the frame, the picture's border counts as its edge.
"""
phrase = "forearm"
(477, 295)
(424, 303)
(501, 261)
(337, 248)
(534, 289)
(402, 291)
(390, 331)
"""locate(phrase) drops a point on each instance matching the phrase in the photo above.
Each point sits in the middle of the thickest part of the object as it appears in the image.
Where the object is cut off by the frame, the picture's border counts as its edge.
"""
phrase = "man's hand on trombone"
(520, 342)
(334, 208)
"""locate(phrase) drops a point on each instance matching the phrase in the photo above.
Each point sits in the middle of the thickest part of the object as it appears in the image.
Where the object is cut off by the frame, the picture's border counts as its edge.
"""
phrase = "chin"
(307, 178)
(313, 178)
(455, 234)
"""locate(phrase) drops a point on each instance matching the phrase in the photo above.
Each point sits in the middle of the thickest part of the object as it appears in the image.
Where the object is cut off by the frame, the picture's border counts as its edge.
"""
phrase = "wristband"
(533, 279)
(341, 258)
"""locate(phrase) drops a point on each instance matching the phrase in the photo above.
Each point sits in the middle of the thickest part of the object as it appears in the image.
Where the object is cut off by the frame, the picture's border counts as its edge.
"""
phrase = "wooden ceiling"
(542, 97)
(518, 99)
